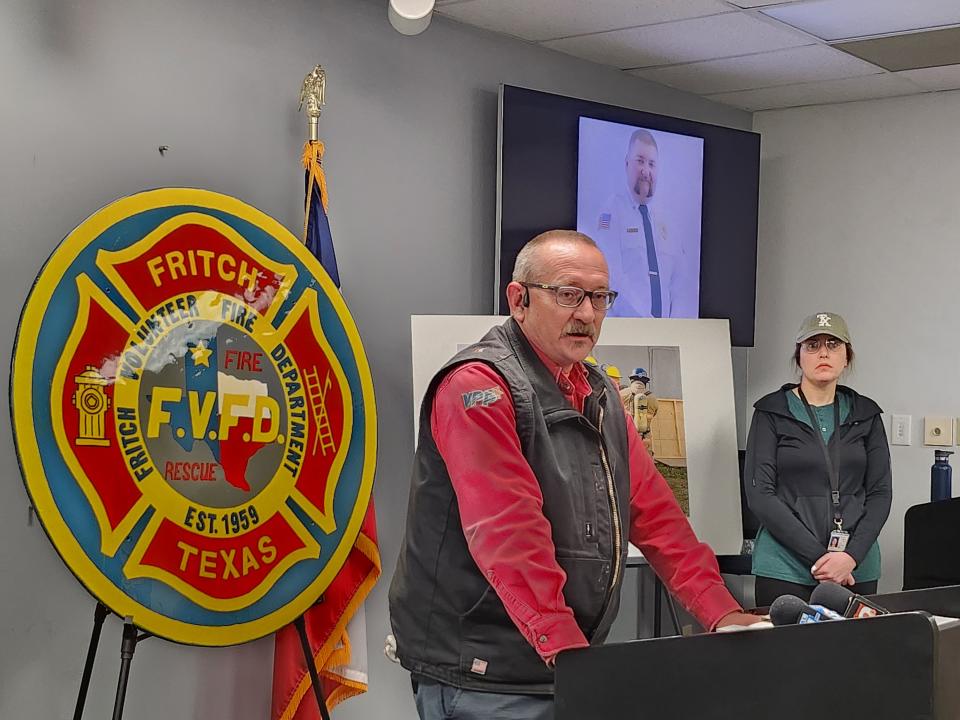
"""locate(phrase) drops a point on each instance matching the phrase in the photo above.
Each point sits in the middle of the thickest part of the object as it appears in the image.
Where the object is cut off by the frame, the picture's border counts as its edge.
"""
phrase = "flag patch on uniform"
(479, 666)
(481, 398)
(604, 221)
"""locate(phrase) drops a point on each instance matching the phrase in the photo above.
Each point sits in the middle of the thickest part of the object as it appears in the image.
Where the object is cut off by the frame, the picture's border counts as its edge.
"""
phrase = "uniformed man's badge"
(194, 416)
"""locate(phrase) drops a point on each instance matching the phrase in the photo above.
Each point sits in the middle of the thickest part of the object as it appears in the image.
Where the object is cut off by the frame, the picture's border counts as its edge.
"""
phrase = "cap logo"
(824, 320)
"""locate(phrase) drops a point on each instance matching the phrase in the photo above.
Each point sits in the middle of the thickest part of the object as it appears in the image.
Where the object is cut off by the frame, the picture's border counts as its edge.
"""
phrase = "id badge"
(838, 541)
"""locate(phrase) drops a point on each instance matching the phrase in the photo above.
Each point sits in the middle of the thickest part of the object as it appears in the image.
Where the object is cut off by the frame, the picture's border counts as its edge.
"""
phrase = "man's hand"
(834, 567)
(390, 648)
(738, 618)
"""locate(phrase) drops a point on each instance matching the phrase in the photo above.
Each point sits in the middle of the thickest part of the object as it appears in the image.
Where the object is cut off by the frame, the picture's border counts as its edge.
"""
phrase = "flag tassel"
(313, 163)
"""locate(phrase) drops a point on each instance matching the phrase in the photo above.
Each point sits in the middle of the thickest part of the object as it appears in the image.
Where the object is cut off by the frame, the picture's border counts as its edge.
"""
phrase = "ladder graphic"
(317, 395)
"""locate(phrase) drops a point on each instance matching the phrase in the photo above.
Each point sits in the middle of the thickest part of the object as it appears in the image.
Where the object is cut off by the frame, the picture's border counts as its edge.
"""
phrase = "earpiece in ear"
(526, 297)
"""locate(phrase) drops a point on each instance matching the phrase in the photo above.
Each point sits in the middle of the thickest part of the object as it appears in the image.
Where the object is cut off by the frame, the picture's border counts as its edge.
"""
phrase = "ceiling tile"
(934, 78)
(703, 38)
(539, 20)
(844, 19)
(781, 67)
(820, 93)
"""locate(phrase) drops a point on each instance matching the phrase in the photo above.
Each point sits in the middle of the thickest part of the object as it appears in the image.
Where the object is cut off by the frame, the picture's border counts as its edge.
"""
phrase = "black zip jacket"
(787, 482)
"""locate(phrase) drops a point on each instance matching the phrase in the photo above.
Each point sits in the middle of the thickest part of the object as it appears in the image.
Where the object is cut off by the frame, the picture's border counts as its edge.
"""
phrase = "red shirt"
(501, 511)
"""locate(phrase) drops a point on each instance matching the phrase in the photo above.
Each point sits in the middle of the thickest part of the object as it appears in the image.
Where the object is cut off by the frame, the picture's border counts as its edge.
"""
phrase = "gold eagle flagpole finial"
(312, 93)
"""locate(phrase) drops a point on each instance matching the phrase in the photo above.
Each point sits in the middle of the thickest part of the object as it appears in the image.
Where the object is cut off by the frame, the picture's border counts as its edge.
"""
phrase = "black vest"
(444, 613)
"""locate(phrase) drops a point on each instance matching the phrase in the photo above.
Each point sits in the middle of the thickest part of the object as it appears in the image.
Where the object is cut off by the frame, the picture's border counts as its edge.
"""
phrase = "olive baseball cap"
(824, 323)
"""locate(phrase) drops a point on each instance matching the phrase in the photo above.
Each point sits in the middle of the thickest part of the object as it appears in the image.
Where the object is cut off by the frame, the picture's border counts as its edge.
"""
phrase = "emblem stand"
(131, 636)
(128, 645)
(99, 615)
(311, 667)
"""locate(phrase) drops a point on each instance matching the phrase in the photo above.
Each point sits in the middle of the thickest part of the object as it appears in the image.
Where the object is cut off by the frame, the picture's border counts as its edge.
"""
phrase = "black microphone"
(791, 610)
(847, 603)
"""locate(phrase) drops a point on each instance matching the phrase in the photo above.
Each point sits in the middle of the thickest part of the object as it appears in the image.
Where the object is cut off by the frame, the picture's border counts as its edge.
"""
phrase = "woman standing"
(817, 473)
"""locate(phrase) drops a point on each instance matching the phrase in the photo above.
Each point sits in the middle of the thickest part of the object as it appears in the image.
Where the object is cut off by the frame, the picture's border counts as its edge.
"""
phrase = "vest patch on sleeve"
(481, 398)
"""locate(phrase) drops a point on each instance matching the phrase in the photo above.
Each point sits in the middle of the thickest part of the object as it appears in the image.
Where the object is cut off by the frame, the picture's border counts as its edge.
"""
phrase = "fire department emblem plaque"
(194, 416)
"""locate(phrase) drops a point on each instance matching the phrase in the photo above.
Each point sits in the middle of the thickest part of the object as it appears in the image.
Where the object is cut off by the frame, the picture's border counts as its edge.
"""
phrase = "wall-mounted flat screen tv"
(671, 202)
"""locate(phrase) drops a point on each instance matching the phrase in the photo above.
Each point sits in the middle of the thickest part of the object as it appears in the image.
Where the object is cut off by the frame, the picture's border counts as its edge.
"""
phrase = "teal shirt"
(770, 558)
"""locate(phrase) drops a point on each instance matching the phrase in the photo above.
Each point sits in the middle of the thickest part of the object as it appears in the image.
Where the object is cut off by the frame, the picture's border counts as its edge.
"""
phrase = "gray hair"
(528, 262)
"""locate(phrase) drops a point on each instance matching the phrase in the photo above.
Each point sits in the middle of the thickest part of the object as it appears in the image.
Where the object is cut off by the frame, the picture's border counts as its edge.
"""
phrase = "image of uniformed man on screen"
(645, 238)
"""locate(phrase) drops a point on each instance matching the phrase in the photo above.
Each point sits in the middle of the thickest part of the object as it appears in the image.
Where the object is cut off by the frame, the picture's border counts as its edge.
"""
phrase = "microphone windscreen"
(786, 610)
(831, 595)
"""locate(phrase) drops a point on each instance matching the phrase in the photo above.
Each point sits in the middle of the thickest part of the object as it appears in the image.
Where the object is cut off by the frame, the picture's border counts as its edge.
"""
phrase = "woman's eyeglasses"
(814, 344)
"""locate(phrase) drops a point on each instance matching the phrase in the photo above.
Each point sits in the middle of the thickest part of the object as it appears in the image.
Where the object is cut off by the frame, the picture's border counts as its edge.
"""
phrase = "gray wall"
(91, 89)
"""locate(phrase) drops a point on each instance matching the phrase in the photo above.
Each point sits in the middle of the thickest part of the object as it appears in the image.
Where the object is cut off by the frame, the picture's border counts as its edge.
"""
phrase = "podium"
(898, 667)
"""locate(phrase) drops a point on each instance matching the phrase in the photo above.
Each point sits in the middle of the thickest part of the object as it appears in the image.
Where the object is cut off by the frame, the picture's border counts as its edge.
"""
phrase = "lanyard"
(832, 469)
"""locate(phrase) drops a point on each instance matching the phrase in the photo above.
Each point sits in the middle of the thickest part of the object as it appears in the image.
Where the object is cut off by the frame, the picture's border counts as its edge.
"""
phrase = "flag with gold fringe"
(336, 624)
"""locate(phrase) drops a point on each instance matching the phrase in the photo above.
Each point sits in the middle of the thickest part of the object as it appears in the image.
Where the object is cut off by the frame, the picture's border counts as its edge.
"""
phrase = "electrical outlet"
(937, 430)
(900, 429)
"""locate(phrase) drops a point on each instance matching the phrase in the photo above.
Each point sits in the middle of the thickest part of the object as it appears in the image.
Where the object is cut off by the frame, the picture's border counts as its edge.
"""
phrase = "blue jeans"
(436, 701)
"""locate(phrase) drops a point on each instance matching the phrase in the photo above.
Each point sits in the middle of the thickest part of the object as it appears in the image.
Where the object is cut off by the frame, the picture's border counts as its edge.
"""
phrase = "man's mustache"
(639, 189)
(580, 328)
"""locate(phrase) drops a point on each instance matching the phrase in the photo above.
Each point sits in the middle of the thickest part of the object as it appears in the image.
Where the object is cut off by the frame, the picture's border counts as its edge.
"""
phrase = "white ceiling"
(752, 54)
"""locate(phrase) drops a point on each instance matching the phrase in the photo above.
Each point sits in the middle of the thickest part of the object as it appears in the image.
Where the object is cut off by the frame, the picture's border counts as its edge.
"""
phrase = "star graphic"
(201, 355)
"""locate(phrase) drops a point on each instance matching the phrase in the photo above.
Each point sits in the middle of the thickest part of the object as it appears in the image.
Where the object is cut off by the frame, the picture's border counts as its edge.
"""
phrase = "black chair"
(931, 545)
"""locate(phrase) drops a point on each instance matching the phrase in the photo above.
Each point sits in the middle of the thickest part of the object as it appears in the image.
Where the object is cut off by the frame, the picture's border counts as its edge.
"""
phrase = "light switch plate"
(937, 430)
(900, 429)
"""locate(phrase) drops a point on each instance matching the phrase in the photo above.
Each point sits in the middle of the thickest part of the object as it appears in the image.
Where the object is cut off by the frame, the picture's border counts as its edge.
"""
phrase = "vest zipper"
(614, 517)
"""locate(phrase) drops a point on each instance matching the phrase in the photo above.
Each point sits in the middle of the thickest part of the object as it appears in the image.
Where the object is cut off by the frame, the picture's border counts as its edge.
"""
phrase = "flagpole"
(312, 93)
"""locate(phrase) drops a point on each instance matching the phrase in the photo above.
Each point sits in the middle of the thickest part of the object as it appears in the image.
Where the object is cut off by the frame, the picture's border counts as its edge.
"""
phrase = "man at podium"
(528, 481)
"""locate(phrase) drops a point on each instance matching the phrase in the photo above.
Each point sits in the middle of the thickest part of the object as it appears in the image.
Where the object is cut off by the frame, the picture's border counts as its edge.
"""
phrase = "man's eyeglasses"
(571, 297)
(814, 344)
